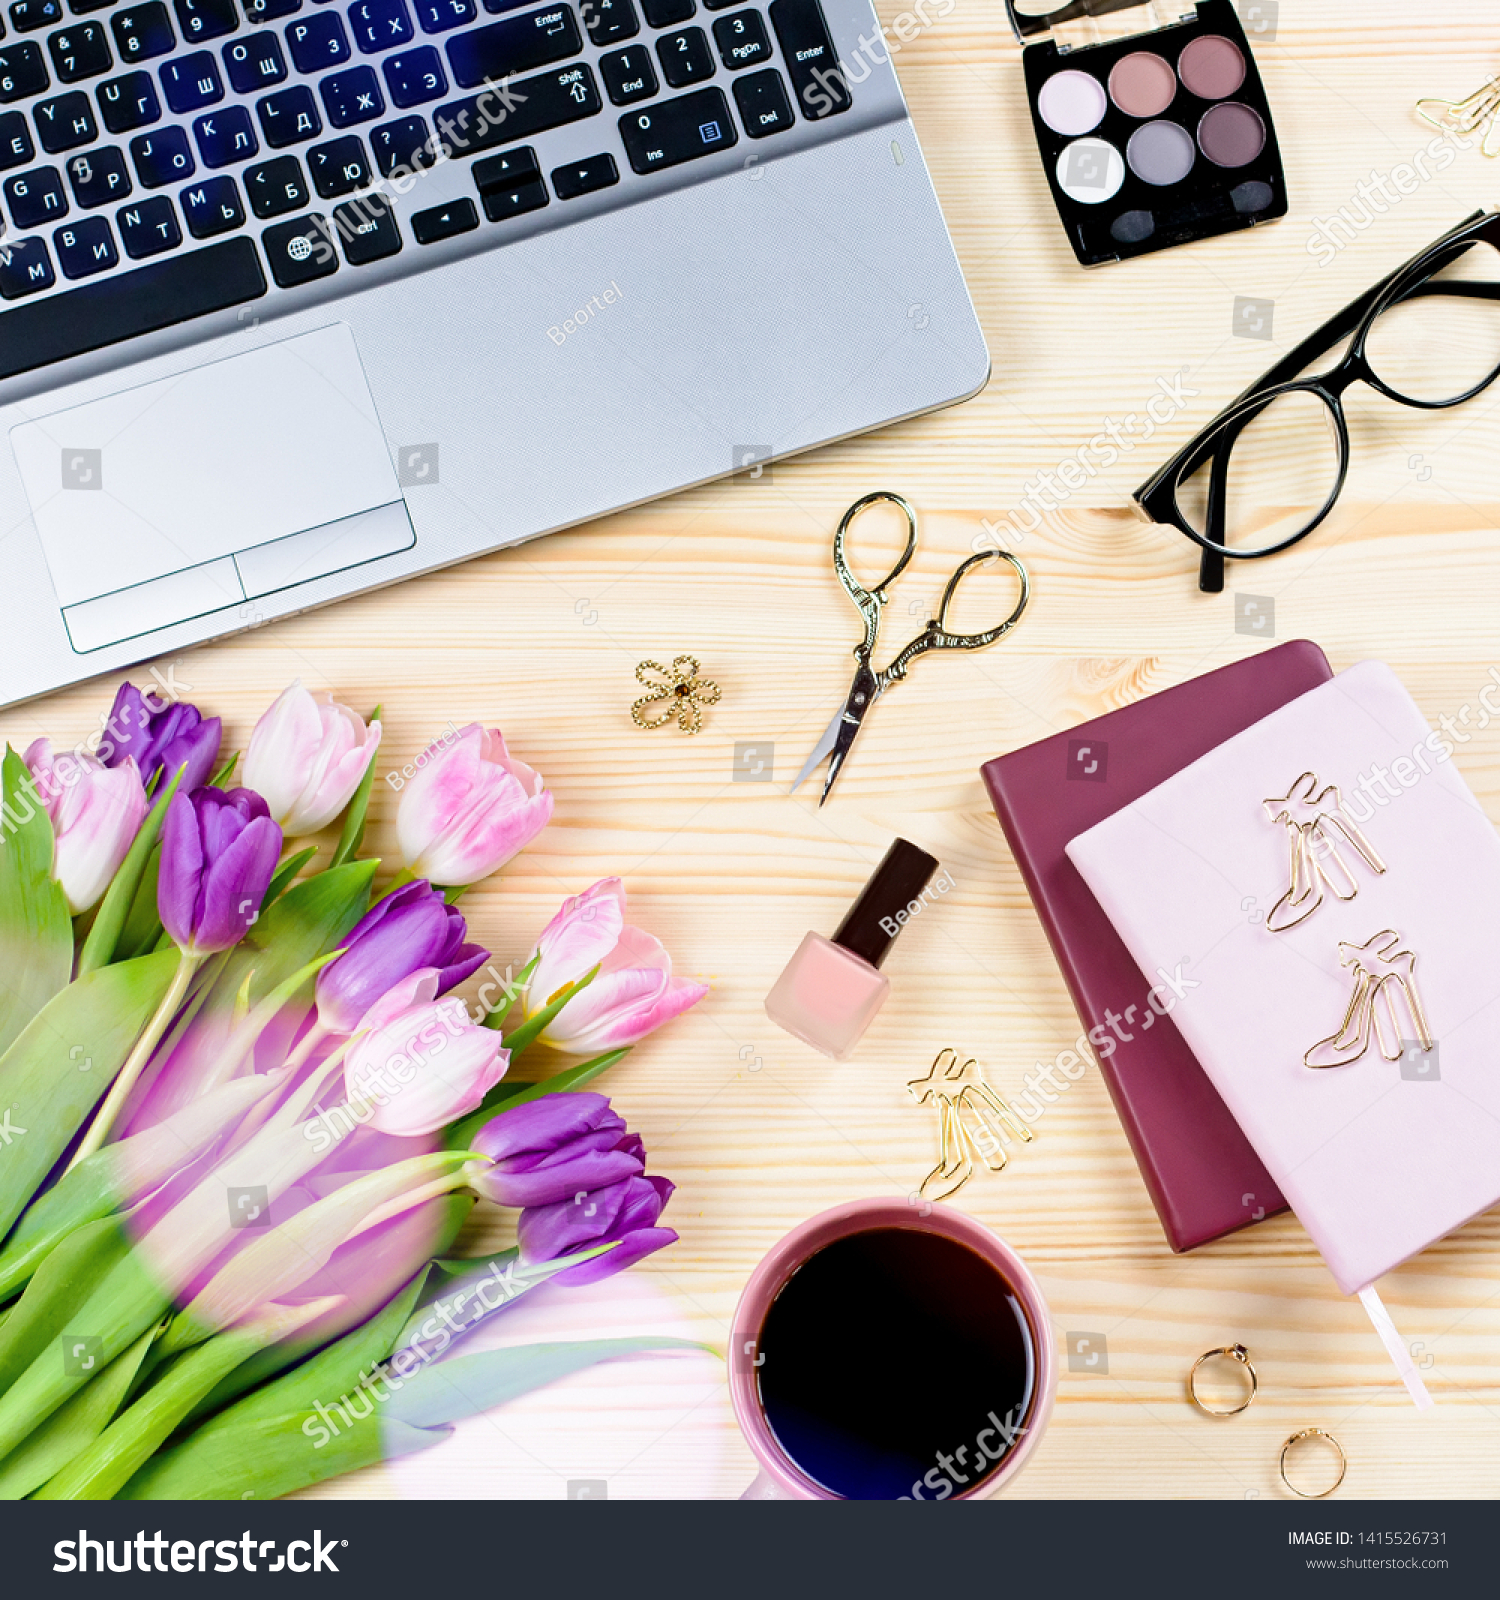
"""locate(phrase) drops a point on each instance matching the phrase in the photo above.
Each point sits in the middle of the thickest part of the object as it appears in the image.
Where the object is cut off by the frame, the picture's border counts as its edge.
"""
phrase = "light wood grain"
(757, 1131)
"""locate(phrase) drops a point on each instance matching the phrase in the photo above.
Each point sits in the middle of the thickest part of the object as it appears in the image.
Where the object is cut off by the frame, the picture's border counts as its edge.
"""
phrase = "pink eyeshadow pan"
(1231, 135)
(1142, 84)
(1212, 66)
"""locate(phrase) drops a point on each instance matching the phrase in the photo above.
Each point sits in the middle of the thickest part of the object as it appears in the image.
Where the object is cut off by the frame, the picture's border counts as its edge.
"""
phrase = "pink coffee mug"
(780, 1478)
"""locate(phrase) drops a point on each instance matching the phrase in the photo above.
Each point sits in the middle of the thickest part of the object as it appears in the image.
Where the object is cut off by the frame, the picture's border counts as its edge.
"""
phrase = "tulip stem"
(104, 1120)
(413, 1197)
(310, 1041)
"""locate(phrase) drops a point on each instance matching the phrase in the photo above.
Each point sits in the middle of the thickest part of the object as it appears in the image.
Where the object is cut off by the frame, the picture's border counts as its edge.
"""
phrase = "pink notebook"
(1385, 891)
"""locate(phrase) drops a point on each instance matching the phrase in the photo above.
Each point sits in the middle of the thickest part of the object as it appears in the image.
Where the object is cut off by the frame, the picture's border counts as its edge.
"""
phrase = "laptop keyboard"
(166, 159)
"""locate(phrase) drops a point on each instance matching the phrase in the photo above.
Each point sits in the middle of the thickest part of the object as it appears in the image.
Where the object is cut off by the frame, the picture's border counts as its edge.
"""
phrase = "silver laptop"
(302, 297)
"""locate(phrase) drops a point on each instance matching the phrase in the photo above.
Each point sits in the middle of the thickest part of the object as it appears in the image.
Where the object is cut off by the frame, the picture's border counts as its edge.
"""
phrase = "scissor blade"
(821, 749)
(862, 696)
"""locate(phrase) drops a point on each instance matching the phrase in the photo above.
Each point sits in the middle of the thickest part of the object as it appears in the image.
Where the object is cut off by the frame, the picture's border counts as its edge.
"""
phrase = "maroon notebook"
(1202, 1175)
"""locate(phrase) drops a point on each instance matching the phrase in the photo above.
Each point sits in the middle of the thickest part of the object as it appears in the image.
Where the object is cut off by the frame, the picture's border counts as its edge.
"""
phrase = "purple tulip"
(625, 1212)
(162, 736)
(410, 929)
(554, 1148)
(218, 853)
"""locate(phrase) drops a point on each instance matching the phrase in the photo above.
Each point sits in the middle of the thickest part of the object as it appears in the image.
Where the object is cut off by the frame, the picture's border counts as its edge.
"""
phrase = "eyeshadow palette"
(1154, 139)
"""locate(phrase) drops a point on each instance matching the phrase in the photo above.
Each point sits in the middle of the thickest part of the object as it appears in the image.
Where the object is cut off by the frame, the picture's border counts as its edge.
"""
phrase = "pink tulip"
(634, 992)
(306, 757)
(96, 812)
(416, 1063)
(470, 807)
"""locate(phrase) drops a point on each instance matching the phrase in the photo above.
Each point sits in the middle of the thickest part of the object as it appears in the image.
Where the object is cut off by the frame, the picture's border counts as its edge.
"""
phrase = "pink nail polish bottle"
(832, 989)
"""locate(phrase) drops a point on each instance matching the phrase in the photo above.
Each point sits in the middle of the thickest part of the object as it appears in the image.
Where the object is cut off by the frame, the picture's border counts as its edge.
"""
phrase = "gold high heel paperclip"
(1372, 1007)
(973, 1122)
(1317, 828)
(1464, 116)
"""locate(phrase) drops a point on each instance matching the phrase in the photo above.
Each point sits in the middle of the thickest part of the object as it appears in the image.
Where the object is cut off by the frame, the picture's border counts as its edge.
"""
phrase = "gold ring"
(1313, 1433)
(1235, 1352)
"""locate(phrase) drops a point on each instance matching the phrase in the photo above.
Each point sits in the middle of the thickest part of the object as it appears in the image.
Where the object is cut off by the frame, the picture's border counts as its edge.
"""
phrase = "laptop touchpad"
(201, 491)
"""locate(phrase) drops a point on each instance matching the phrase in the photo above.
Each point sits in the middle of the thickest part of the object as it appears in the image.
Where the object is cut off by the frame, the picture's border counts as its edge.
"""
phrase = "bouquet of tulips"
(245, 1115)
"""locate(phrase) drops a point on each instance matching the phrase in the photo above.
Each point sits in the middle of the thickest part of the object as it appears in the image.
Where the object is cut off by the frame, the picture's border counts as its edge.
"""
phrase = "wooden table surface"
(758, 1131)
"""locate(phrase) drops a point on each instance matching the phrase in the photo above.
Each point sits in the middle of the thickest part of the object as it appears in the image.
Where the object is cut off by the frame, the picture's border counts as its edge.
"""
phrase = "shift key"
(514, 110)
(674, 131)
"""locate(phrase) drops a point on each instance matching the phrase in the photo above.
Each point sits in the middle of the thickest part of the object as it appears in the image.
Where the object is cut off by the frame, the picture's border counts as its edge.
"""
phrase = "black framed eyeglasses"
(1424, 336)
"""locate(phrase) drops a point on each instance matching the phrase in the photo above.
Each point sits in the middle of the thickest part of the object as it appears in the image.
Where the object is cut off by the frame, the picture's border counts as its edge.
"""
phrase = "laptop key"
(22, 72)
(35, 197)
(402, 146)
(609, 21)
(79, 52)
(677, 130)
(191, 82)
(318, 42)
(199, 20)
(502, 203)
(128, 102)
(102, 313)
(97, 178)
(300, 251)
(27, 15)
(276, 187)
(367, 230)
(226, 136)
(289, 117)
(509, 170)
(85, 247)
(143, 32)
(628, 75)
(380, 25)
(352, 97)
(16, 148)
(742, 40)
(415, 76)
(546, 101)
(499, 49)
(667, 13)
(764, 107)
(65, 123)
(257, 11)
(584, 177)
(212, 207)
(162, 157)
(25, 268)
(444, 222)
(254, 64)
(685, 57)
(438, 16)
(817, 80)
(148, 227)
(339, 167)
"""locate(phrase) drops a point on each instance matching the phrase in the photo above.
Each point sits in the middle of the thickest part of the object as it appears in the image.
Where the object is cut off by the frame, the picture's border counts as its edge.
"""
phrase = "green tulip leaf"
(60, 1285)
(285, 873)
(36, 931)
(352, 835)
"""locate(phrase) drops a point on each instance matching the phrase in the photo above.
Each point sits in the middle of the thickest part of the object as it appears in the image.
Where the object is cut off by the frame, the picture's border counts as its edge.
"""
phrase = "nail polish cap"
(883, 907)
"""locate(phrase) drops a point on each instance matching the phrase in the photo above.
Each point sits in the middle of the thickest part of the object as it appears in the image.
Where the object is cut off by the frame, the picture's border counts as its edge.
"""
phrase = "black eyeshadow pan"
(1156, 139)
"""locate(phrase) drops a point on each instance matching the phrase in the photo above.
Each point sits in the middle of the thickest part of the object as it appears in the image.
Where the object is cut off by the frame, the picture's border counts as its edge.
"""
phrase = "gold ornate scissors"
(869, 684)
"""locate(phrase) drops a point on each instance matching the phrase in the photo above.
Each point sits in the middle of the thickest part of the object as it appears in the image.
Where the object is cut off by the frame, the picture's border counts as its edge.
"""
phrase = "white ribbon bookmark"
(1395, 1347)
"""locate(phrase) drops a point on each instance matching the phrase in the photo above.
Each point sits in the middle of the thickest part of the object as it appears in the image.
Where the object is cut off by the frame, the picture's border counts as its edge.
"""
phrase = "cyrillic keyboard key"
(401, 146)
(318, 42)
(65, 123)
(667, 13)
(494, 52)
(35, 197)
(444, 222)
(609, 21)
(678, 130)
(199, 20)
(120, 307)
(276, 187)
(415, 76)
(129, 102)
(584, 177)
(212, 207)
(79, 52)
(546, 101)
(143, 32)
(191, 82)
(438, 16)
(162, 157)
(742, 40)
(764, 107)
(628, 75)
(98, 178)
(502, 203)
(85, 247)
(339, 167)
(301, 251)
(289, 117)
(22, 73)
(818, 83)
(685, 57)
(367, 230)
(148, 227)
(380, 25)
(254, 64)
(25, 268)
(258, 11)
(226, 136)
(16, 148)
(352, 97)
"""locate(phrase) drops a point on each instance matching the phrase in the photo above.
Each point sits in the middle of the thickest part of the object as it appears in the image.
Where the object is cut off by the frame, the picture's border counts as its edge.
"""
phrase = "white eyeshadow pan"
(1090, 171)
(1072, 102)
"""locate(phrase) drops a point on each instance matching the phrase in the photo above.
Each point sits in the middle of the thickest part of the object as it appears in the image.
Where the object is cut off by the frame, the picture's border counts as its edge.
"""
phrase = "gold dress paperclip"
(973, 1123)
(1372, 1012)
(1464, 116)
(1314, 818)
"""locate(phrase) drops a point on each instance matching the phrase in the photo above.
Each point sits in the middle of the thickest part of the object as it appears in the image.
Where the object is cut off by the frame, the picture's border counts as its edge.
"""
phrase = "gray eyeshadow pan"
(1160, 153)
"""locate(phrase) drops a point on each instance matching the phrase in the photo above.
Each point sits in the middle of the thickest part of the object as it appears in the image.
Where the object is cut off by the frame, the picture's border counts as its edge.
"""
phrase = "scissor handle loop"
(935, 635)
(869, 601)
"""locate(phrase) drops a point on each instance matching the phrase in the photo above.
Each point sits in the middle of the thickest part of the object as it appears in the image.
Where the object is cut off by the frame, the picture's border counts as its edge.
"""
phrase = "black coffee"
(897, 1364)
